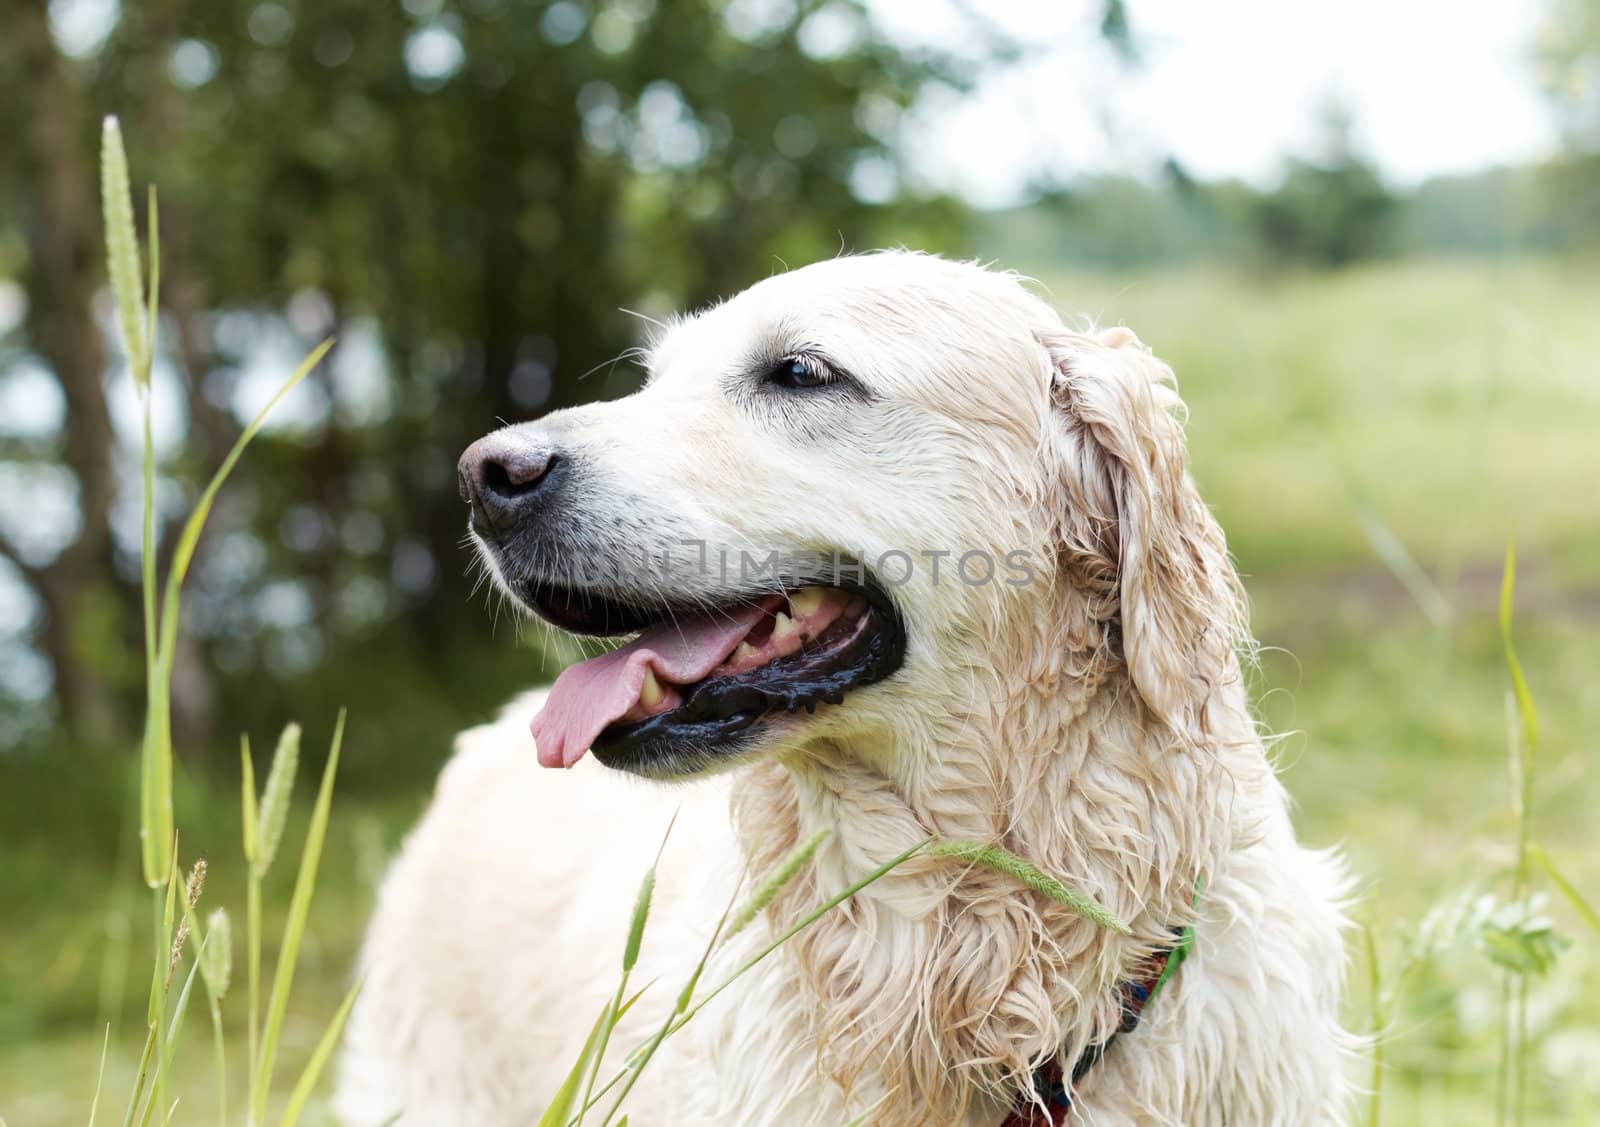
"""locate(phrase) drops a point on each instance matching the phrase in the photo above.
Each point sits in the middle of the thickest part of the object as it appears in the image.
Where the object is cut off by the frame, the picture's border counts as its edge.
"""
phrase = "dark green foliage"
(1326, 212)
(1323, 215)
(468, 196)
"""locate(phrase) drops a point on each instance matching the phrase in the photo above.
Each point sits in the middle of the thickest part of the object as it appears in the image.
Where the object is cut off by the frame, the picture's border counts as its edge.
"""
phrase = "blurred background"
(1366, 235)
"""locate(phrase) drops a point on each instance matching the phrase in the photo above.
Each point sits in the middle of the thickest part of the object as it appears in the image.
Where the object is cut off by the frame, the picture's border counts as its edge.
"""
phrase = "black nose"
(500, 473)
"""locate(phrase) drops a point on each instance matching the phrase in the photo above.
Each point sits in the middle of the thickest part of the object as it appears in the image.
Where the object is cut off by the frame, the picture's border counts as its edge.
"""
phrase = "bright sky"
(1228, 86)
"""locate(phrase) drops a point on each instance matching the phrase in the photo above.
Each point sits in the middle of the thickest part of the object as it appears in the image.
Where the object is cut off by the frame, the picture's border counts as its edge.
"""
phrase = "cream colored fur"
(1094, 721)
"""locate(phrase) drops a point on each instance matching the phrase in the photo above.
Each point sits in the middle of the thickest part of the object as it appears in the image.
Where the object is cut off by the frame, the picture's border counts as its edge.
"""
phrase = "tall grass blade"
(1519, 683)
(164, 965)
(183, 553)
(590, 1096)
(806, 921)
(294, 927)
(630, 959)
(99, 1077)
(189, 538)
(247, 798)
(165, 908)
(252, 912)
(319, 1059)
(1568, 890)
(155, 779)
(122, 267)
(686, 995)
(1379, 1021)
(170, 1046)
(641, 1057)
(139, 1078)
(219, 1062)
(1401, 564)
(149, 771)
(215, 959)
(560, 1108)
(1522, 751)
(1004, 861)
(157, 756)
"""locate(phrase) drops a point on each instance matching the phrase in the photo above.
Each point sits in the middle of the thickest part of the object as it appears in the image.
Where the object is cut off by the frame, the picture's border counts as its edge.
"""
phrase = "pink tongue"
(592, 694)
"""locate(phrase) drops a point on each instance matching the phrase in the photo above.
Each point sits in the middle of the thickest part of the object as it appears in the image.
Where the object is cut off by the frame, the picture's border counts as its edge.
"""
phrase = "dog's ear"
(1133, 527)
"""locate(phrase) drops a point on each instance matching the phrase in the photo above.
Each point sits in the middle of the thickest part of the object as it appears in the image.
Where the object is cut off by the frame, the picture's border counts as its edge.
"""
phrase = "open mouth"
(679, 697)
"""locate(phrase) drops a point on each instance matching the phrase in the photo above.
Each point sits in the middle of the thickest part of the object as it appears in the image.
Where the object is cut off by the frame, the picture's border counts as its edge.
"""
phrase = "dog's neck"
(942, 963)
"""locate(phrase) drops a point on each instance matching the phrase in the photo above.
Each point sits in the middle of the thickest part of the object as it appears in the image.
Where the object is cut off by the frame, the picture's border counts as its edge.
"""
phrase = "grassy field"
(1444, 408)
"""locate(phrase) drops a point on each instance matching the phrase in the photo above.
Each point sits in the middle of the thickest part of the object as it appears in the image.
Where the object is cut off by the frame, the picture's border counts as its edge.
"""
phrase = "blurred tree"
(60, 269)
(1568, 54)
(1568, 57)
(1329, 211)
(465, 191)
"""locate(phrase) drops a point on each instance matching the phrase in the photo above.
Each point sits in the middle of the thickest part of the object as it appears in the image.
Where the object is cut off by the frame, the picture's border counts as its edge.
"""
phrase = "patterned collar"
(1050, 1101)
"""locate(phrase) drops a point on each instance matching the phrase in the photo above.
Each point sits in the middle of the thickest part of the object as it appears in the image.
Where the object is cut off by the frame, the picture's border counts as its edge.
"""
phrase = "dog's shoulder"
(495, 753)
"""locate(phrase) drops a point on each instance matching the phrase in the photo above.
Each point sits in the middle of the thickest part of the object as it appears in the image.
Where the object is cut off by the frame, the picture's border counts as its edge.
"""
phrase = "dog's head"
(839, 494)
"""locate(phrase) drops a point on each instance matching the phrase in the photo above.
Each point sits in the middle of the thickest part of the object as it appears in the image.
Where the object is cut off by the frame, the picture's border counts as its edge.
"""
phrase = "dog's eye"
(799, 372)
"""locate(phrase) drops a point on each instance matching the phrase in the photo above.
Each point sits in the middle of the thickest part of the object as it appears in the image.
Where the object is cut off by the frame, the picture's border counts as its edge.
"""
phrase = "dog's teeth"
(806, 601)
(783, 626)
(650, 693)
(745, 650)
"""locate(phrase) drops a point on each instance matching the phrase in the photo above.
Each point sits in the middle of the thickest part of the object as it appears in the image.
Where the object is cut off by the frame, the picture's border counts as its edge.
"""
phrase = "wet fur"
(1094, 721)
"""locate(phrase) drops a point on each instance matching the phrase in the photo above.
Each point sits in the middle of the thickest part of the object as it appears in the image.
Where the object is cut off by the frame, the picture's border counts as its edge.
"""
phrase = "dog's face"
(834, 490)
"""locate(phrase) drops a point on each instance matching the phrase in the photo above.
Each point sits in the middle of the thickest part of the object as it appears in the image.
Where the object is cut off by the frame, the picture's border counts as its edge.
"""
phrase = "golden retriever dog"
(902, 556)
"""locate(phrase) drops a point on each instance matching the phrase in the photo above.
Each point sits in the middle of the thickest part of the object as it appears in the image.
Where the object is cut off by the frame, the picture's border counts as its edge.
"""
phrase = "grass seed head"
(216, 958)
(179, 937)
(276, 796)
(122, 250)
(197, 881)
(1004, 861)
(781, 875)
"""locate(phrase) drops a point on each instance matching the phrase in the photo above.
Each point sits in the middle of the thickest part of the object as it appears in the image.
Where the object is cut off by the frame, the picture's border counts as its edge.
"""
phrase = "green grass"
(1461, 400)
(76, 925)
(1462, 397)
(179, 937)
